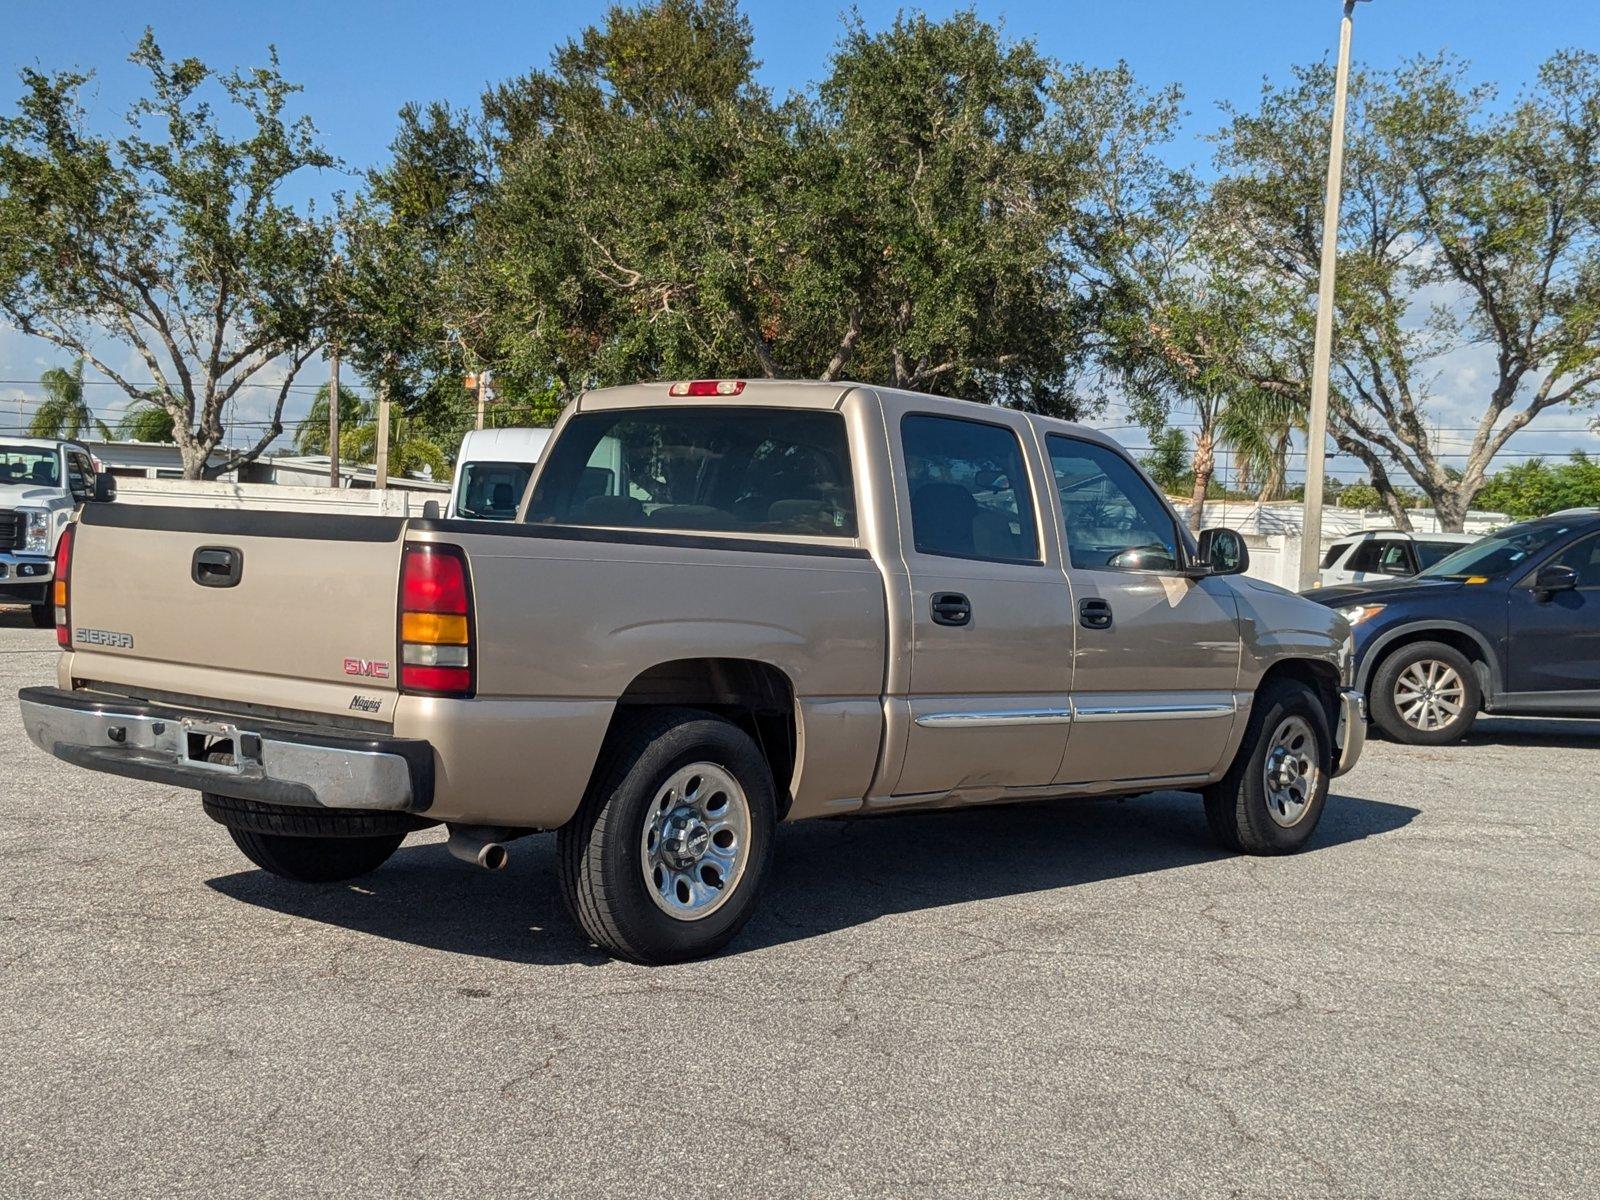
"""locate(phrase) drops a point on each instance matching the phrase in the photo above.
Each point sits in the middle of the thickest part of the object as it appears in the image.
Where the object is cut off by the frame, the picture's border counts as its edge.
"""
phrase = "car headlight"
(38, 541)
(1358, 613)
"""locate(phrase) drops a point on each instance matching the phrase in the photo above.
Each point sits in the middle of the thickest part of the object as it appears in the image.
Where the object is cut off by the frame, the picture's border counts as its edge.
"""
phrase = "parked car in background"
(727, 604)
(1386, 554)
(492, 471)
(1509, 624)
(41, 482)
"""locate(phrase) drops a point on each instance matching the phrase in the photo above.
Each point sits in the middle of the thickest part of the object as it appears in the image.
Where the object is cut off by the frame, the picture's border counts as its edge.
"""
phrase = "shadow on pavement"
(1534, 731)
(12, 617)
(827, 876)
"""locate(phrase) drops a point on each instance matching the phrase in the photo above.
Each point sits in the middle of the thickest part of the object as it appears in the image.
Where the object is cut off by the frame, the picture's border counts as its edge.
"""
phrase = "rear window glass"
(731, 470)
(1334, 551)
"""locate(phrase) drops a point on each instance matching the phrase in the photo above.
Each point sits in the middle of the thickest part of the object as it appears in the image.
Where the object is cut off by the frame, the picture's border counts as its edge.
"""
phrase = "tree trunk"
(1379, 474)
(1205, 465)
(1452, 510)
(1272, 487)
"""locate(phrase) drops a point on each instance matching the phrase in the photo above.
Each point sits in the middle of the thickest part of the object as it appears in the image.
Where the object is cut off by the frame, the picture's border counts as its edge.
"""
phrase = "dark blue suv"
(1509, 624)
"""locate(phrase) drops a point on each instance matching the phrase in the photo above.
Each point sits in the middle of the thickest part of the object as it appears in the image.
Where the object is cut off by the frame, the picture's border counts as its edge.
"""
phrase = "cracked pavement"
(1074, 999)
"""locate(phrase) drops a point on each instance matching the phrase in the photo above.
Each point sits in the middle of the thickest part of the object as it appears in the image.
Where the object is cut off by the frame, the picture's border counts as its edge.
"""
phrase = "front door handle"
(1094, 613)
(951, 608)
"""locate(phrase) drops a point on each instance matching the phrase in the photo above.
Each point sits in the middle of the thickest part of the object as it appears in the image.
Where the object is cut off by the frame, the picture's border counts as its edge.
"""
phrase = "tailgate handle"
(217, 566)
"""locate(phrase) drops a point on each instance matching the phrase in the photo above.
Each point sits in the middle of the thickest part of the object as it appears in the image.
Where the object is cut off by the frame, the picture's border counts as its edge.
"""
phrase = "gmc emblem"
(366, 667)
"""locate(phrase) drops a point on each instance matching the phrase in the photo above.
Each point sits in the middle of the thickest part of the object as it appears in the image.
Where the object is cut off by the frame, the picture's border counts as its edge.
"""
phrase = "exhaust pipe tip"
(491, 856)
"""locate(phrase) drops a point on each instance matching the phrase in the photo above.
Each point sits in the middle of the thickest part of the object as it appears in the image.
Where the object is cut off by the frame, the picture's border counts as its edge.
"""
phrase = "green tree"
(1465, 225)
(64, 411)
(937, 213)
(146, 423)
(171, 240)
(1358, 495)
(1168, 461)
(311, 434)
(1535, 489)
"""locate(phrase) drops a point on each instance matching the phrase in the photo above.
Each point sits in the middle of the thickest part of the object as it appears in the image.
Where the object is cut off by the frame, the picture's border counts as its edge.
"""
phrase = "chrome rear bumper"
(309, 766)
(1351, 735)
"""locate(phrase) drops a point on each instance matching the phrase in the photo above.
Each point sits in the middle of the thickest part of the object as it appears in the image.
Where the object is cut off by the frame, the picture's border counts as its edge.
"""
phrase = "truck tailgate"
(314, 601)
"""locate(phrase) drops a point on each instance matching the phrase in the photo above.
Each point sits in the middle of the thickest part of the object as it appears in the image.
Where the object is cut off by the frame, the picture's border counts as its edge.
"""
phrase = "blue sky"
(360, 60)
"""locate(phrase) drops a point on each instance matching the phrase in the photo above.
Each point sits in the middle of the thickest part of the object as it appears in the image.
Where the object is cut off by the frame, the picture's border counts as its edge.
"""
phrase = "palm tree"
(410, 447)
(146, 423)
(64, 413)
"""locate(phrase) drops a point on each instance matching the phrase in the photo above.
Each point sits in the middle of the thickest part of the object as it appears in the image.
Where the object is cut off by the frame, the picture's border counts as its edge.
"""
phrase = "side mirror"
(1221, 552)
(1552, 579)
(105, 488)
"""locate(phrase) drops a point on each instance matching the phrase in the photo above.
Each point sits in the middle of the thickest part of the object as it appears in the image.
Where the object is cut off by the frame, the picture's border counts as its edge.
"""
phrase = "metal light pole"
(1322, 364)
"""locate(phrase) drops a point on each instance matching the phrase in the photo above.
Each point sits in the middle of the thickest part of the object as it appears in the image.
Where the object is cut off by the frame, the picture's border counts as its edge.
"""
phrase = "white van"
(492, 470)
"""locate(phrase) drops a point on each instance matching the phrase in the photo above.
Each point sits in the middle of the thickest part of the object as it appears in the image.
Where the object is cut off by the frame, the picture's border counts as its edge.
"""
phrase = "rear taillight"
(435, 622)
(61, 588)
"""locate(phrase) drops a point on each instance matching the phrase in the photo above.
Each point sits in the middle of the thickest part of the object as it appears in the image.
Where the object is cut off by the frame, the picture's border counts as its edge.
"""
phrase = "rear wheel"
(316, 859)
(44, 616)
(665, 859)
(1272, 797)
(311, 845)
(1426, 694)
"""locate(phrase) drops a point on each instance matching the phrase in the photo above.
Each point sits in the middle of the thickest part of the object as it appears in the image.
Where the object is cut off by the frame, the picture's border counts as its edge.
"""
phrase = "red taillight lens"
(435, 622)
(708, 387)
(61, 588)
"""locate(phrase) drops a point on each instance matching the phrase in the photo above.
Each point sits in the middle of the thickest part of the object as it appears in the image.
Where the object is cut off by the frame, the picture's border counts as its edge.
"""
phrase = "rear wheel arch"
(754, 695)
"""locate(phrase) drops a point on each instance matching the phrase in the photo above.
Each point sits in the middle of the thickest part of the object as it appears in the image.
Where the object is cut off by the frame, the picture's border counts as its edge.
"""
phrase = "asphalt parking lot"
(1065, 999)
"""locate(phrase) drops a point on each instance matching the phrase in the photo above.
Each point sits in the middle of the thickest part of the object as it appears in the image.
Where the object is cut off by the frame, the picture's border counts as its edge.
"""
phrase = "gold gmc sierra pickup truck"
(723, 605)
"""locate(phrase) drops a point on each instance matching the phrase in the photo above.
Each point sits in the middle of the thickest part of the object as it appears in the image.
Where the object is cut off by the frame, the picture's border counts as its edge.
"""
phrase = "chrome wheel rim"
(1429, 695)
(696, 841)
(1293, 771)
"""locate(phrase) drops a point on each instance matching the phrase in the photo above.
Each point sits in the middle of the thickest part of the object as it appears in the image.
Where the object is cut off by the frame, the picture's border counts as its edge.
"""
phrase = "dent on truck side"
(1277, 626)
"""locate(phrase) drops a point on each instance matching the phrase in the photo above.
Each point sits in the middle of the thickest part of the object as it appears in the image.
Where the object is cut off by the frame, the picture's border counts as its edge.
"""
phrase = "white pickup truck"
(42, 482)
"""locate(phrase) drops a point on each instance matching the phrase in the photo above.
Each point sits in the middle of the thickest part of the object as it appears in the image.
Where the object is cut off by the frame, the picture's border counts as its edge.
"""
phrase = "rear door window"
(730, 470)
(1429, 553)
(969, 491)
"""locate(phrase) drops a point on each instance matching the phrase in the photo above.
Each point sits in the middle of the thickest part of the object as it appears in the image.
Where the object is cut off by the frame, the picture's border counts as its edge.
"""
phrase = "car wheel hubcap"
(1293, 771)
(1429, 695)
(696, 841)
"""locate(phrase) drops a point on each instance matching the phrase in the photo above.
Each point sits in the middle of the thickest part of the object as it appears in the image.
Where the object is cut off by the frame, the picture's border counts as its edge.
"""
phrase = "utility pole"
(1322, 362)
(333, 418)
(481, 379)
(381, 467)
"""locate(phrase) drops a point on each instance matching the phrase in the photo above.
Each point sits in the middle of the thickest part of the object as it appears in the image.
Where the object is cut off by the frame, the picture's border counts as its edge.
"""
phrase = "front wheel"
(1426, 694)
(665, 859)
(1272, 797)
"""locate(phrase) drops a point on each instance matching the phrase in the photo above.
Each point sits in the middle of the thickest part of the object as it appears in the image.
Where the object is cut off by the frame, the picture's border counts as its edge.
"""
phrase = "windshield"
(1498, 554)
(491, 491)
(28, 466)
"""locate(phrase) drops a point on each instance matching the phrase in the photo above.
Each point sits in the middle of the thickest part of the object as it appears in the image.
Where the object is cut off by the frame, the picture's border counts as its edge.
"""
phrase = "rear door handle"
(1094, 613)
(217, 566)
(951, 608)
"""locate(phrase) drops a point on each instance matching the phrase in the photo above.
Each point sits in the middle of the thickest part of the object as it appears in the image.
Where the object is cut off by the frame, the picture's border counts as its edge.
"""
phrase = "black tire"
(1386, 710)
(1238, 806)
(310, 845)
(602, 878)
(44, 616)
(316, 859)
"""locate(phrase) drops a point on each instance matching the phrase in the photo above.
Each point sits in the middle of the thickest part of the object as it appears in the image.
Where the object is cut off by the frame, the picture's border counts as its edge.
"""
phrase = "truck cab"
(42, 482)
